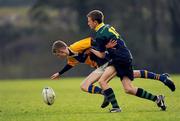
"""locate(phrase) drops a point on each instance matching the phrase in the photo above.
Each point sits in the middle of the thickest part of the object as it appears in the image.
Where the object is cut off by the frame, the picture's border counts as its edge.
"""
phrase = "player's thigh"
(111, 77)
(108, 74)
(126, 82)
(91, 78)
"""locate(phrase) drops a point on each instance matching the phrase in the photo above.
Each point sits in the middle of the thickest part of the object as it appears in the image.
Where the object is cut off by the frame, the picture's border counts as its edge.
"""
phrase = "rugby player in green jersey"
(121, 61)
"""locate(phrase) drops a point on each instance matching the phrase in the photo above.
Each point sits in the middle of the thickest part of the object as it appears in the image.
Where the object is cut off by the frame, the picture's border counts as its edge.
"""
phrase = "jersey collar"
(99, 26)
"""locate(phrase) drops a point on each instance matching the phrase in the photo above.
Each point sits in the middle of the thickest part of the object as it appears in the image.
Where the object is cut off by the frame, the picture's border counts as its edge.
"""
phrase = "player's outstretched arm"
(57, 75)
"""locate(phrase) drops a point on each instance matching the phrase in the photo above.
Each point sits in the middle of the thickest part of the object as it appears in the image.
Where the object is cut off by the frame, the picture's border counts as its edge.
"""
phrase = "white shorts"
(101, 69)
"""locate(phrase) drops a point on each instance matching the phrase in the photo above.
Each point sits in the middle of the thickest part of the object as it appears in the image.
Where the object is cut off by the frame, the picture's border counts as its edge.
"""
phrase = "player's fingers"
(111, 40)
(56, 77)
(53, 77)
(114, 41)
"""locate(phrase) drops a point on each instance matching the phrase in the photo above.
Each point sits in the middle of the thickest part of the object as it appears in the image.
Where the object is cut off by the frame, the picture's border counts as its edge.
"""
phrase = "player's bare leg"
(164, 78)
(139, 92)
(89, 80)
(87, 84)
(106, 102)
(108, 92)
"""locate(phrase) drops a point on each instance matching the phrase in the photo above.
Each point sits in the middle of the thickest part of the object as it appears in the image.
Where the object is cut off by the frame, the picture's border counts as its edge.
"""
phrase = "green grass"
(22, 101)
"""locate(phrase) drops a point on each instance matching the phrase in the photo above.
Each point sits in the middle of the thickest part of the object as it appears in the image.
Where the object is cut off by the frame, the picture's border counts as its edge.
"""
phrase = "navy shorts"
(123, 69)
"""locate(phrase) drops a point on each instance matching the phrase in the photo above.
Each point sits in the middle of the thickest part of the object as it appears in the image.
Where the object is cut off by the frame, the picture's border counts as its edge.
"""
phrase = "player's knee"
(83, 87)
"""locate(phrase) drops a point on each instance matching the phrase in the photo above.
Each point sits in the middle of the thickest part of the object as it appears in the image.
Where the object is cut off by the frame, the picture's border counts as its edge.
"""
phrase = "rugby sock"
(151, 75)
(95, 89)
(111, 97)
(144, 94)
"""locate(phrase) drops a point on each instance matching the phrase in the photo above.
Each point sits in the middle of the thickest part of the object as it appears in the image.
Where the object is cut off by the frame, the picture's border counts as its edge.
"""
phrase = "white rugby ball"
(48, 95)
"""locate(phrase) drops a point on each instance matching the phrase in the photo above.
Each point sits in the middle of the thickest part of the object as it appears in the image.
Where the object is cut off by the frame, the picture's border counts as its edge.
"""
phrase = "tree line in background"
(151, 30)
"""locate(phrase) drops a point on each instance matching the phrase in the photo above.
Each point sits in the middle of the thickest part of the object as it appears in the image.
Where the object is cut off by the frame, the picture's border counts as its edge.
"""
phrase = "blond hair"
(57, 45)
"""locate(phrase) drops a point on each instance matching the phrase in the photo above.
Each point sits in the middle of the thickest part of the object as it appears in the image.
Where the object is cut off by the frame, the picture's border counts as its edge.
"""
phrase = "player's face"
(92, 24)
(62, 52)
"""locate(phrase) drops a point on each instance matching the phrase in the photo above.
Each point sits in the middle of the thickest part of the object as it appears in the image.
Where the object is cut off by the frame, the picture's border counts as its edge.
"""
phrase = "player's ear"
(96, 22)
(54, 51)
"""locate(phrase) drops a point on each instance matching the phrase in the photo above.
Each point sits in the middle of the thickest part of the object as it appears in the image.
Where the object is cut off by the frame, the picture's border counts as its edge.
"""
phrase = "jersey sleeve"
(99, 45)
(81, 45)
(66, 68)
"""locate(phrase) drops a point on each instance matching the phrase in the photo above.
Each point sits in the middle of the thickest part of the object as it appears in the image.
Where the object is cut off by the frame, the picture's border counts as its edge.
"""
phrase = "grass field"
(21, 100)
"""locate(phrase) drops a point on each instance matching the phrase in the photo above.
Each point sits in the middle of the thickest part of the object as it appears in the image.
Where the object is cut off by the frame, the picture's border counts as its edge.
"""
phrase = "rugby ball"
(48, 95)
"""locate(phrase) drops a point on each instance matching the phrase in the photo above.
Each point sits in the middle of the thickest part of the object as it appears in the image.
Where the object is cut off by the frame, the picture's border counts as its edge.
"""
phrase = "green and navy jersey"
(104, 33)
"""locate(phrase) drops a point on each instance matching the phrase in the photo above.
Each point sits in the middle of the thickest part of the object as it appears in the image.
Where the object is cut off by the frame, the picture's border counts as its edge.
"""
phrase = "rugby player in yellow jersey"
(79, 53)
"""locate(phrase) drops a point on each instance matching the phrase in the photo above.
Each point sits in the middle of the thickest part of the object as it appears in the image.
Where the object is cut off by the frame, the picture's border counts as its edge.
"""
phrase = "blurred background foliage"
(29, 27)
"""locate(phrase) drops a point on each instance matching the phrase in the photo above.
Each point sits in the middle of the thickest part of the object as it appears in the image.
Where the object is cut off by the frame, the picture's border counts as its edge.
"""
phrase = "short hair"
(57, 45)
(96, 15)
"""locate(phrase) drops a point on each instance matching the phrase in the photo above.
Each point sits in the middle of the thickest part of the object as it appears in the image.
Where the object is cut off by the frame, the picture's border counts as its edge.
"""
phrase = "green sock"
(111, 97)
(144, 94)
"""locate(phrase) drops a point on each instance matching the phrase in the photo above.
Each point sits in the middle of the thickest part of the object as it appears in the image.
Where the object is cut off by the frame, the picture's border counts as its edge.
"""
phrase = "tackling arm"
(112, 43)
(98, 53)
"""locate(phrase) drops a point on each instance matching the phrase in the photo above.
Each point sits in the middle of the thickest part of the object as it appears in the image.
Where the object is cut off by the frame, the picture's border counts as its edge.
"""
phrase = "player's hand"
(88, 51)
(98, 53)
(55, 76)
(111, 44)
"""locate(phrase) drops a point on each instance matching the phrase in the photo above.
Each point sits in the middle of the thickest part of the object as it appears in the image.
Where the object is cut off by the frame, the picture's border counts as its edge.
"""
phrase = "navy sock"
(95, 90)
(151, 75)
